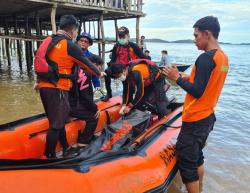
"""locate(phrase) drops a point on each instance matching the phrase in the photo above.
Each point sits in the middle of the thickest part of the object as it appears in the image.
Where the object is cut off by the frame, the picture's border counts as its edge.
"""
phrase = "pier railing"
(127, 5)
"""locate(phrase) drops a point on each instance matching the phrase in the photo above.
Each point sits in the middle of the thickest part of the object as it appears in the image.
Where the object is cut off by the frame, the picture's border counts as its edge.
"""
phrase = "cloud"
(173, 19)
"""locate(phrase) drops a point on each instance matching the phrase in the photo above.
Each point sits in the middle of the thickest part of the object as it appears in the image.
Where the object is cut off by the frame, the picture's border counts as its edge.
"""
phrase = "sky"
(173, 19)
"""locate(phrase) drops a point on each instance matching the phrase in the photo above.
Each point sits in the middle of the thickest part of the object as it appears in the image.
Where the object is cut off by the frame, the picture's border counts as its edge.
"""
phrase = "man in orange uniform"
(203, 88)
(145, 76)
(63, 53)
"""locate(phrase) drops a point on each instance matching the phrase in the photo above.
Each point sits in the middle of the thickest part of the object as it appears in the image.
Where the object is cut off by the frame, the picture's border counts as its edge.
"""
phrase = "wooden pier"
(25, 23)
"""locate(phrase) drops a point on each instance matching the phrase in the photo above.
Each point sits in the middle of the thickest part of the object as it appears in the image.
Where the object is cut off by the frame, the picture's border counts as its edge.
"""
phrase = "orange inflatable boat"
(147, 163)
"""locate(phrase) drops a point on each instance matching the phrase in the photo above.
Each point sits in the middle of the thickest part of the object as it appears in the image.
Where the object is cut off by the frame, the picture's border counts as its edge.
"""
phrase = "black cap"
(123, 31)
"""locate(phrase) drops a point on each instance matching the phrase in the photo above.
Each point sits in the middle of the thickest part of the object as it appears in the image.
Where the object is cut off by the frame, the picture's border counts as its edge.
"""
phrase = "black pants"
(82, 112)
(155, 95)
(56, 106)
(107, 79)
(190, 142)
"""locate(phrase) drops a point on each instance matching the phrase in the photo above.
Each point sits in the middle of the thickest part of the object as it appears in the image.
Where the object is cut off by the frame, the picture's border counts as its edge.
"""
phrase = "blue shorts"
(190, 142)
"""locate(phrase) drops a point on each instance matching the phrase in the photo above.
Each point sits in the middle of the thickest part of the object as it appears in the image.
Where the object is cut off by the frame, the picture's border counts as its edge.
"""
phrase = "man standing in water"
(203, 88)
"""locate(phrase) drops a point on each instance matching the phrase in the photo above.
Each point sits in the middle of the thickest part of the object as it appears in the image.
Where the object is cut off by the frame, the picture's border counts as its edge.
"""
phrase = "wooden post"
(0, 50)
(93, 35)
(11, 47)
(139, 5)
(27, 45)
(41, 28)
(122, 4)
(19, 54)
(116, 30)
(14, 47)
(53, 18)
(3, 48)
(30, 48)
(89, 27)
(99, 37)
(7, 42)
(116, 3)
(84, 26)
(135, 5)
(80, 26)
(103, 38)
(137, 29)
(38, 29)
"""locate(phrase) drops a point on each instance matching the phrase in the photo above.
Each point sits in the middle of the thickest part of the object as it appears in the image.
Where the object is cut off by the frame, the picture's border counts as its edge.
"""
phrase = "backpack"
(152, 67)
(45, 69)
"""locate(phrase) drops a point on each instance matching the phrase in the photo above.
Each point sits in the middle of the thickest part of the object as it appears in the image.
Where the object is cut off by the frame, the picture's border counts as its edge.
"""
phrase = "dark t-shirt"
(82, 91)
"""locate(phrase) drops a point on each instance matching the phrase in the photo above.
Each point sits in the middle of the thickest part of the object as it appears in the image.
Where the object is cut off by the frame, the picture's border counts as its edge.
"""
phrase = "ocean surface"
(228, 150)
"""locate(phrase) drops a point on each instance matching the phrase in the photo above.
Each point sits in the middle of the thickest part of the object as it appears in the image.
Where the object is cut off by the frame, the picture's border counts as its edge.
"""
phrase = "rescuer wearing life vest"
(53, 65)
(203, 88)
(122, 52)
(145, 76)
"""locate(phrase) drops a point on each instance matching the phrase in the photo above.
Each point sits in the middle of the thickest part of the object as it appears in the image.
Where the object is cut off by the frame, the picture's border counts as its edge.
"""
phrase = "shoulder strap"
(153, 69)
(55, 40)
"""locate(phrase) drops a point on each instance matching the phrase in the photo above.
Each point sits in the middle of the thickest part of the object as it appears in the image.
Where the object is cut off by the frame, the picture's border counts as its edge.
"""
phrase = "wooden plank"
(34, 38)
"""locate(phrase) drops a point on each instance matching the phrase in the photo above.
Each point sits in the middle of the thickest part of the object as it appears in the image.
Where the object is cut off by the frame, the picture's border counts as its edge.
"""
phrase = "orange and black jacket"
(139, 77)
(134, 52)
(204, 85)
(65, 54)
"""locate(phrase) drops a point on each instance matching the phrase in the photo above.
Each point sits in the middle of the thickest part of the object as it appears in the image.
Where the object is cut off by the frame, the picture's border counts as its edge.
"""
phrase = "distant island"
(185, 41)
(157, 40)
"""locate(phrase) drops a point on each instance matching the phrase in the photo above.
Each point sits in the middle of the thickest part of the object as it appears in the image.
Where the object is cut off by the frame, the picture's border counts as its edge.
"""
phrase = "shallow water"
(228, 150)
